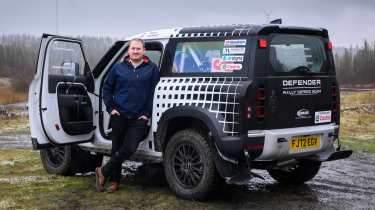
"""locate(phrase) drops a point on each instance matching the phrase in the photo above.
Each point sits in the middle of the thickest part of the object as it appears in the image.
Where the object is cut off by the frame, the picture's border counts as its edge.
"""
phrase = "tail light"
(335, 103)
(260, 98)
(248, 112)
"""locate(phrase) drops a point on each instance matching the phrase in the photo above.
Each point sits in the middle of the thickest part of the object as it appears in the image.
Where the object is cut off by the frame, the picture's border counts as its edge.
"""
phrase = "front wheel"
(189, 165)
(68, 160)
(300, 173)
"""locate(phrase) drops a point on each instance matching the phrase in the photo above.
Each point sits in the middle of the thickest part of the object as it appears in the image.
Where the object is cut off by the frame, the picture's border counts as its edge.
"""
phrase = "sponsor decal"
(235, 42)
(234, 50)
(301, 87)
(301, 82)
(303, 114)
(301, 92)
(230, 67)
(233, 58)
(322, 117)
(219, 65)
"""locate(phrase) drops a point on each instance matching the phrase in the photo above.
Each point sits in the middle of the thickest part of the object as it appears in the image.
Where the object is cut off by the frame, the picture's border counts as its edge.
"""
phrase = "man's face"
(136, 51)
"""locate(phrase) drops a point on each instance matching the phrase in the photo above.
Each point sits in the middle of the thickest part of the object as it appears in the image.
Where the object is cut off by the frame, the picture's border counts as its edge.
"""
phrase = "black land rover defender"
(230, 99)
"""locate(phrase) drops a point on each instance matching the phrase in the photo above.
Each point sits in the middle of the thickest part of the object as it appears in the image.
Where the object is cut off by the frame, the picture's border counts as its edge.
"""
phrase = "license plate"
(300, 143)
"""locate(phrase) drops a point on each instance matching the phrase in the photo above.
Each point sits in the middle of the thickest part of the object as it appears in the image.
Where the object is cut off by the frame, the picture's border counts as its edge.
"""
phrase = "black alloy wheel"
(68, 160)
(188, 166)
(55, 156)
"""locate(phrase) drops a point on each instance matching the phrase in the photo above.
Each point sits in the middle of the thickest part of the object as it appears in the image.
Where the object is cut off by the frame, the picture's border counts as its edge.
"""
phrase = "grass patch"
(8, 95)
(359, 144)
(24, 184)
(350, 99)
(357, 128)
(14, 125)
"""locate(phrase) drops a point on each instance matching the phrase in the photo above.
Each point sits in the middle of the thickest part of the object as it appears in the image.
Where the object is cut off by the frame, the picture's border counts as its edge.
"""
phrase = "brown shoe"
(100, 179)
(113, 187)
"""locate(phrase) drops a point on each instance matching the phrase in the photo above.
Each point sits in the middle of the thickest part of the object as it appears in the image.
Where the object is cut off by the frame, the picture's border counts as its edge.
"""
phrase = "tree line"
(19, 54)
(356, 66)
(18, 57)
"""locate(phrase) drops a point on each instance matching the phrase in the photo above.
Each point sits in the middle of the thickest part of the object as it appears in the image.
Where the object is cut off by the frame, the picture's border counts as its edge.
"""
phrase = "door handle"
(44, 109)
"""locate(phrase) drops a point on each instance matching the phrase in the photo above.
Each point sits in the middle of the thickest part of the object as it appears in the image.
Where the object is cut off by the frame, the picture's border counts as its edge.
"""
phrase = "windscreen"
(297, 53)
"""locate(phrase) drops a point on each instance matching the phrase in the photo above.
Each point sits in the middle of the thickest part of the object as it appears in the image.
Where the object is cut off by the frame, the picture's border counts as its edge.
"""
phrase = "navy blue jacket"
(130, 91)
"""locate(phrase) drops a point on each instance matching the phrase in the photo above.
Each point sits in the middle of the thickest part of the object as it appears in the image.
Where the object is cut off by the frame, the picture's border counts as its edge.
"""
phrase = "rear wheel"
(69, 160)
(189, 165)
(300, 173)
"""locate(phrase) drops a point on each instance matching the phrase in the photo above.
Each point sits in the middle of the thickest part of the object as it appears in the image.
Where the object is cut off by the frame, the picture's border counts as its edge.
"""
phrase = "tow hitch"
(339, 155)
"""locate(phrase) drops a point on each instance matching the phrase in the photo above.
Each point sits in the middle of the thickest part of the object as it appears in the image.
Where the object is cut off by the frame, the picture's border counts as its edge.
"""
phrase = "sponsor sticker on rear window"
(235, 42)
(233, 58)
(218, 65)
(234, 50)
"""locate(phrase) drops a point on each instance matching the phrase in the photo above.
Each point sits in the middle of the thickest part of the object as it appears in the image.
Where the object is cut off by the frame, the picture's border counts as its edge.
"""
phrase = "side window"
(154, 56)
(225, 56)
(65, 58)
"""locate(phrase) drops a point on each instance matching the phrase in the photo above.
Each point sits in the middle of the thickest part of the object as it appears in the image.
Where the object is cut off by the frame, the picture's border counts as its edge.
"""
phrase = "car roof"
(227, 31)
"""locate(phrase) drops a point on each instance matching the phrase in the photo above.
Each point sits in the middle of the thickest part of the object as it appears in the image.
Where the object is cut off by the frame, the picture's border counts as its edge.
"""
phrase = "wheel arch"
(183, 117)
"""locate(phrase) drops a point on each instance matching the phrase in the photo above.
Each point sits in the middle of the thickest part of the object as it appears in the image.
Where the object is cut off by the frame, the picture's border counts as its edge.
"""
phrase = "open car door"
(66, 110)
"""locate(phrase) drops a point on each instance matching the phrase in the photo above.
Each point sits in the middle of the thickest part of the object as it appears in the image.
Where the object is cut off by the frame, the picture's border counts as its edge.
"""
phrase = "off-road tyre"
(69, 160)
(304, 171)
(189, 165)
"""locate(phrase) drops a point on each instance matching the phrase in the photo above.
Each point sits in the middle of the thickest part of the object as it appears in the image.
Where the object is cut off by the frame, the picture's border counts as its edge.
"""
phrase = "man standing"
(127, 93)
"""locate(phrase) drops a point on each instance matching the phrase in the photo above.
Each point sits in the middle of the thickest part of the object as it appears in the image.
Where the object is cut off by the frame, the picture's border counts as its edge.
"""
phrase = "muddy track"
(343, 184)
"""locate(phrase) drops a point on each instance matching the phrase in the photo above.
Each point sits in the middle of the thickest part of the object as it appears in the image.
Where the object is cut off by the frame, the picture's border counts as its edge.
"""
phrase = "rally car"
(230, 99)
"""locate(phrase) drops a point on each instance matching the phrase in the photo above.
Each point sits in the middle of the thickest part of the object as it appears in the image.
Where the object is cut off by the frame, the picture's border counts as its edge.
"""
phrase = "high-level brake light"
(262, 43)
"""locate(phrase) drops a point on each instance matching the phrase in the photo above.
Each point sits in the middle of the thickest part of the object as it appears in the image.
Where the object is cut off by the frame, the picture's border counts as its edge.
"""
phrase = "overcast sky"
(348, 21)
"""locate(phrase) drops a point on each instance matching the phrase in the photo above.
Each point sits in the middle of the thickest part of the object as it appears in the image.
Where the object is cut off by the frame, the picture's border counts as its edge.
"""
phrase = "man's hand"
(143, 117)
(115, 112)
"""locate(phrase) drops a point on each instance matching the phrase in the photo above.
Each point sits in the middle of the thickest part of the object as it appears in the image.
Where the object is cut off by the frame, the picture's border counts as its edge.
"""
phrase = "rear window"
(297, 53)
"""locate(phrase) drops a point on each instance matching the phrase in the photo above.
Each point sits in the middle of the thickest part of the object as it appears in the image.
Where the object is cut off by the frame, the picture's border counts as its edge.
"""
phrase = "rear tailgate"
(296, 74)
(298, 101)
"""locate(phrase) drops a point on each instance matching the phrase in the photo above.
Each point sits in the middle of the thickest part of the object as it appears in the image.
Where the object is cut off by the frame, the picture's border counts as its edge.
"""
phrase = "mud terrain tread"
(75, 161)
(210, 176)
(64, 168)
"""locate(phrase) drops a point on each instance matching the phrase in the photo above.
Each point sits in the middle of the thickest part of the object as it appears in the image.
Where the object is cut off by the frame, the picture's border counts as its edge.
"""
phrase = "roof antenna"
(277, 21)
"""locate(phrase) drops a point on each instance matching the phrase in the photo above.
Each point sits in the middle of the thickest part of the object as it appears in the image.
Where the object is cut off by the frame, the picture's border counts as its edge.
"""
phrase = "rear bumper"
(273, 145)
(277, 141)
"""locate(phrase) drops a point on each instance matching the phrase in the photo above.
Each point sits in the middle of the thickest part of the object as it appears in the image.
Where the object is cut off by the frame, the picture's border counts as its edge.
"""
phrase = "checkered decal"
(218, 95)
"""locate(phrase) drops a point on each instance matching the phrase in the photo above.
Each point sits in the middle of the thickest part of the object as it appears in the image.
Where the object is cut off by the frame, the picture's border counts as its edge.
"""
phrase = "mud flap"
(339, 155)
(245, 174)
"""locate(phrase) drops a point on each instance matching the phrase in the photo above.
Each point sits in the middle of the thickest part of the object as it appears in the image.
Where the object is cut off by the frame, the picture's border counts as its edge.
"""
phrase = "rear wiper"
(302, 70)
